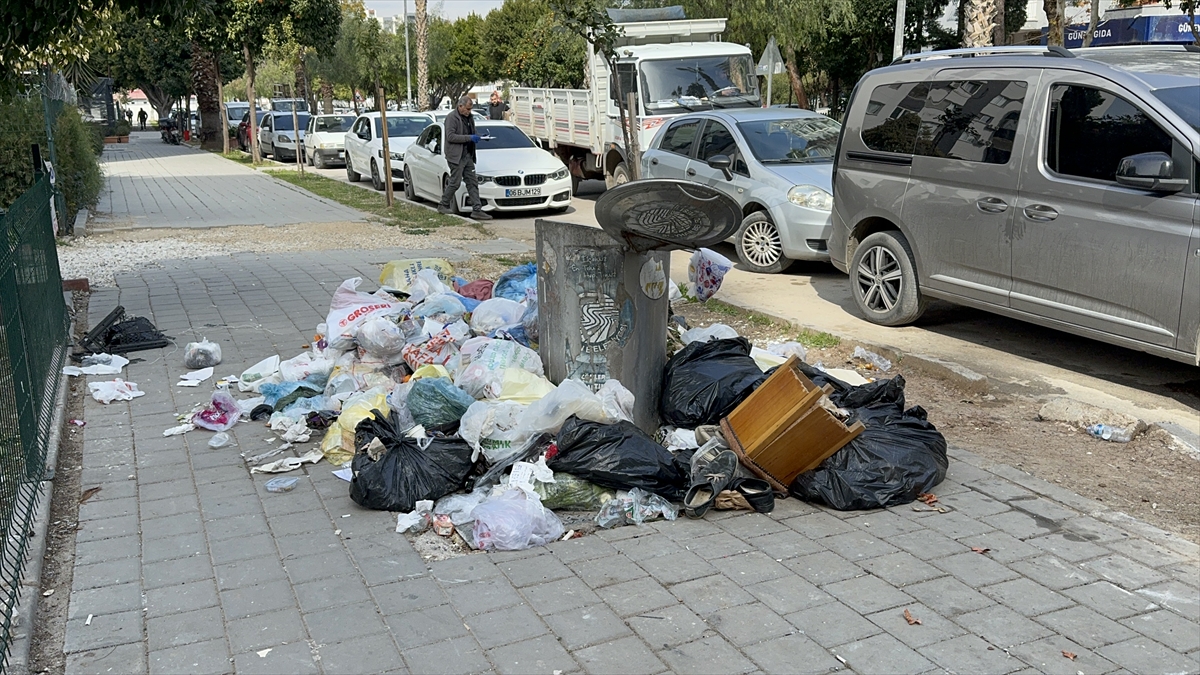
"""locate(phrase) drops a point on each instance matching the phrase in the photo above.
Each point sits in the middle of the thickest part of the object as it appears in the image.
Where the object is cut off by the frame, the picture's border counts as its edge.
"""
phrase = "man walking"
(460, 155)
(496, 107)
(142, 118)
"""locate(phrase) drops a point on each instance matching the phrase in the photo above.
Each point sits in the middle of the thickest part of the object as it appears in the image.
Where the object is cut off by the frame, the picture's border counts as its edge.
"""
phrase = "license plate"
(523, 192)
(341, 154)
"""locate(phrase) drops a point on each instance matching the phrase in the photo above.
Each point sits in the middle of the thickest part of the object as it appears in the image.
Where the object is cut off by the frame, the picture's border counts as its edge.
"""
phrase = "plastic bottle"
(1111, 433)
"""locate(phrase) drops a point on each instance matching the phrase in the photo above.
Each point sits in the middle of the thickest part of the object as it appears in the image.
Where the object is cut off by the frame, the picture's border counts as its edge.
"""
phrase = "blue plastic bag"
(513, 283)
(284, 394)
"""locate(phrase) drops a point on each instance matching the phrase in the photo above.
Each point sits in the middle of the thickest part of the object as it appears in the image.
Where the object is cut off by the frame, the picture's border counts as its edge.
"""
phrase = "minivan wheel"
(884, 280)
(759, 245)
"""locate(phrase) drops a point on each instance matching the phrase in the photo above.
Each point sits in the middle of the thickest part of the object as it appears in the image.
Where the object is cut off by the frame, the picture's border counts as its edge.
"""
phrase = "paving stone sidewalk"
(185, 564)
(151, 184)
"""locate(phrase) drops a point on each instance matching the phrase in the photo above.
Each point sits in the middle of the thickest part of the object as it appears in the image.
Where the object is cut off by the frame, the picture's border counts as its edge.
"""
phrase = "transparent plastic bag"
(460, 506)
(572, 397)
(618, 401)
(203, 354)
(440, 304)
(434, 402)
(568, 493)
(483, 376)
(491, 429)
(634, 508)
(382, 338)
(221, 413)
(513, 521)
(494, 314)
(717, 331)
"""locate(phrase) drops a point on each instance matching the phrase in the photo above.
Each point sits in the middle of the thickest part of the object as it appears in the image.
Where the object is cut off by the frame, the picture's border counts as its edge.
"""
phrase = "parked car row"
(1056, 187)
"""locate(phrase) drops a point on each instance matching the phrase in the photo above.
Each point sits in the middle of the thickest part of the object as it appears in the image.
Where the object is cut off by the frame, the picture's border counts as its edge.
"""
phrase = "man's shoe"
(699, 499)
(480, 215)
(757, 492)
(717, 471)
(445, 210)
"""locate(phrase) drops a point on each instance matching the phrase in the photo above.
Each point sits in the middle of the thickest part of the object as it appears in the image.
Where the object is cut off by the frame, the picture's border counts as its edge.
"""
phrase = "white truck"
(674, 66)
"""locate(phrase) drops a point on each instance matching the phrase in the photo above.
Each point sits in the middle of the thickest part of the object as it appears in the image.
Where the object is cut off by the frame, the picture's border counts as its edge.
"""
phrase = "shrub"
(20, 127)
(78, 171)
(122, 128)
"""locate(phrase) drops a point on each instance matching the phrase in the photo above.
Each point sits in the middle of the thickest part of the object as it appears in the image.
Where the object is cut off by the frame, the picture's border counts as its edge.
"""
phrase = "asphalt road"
(1018, 357)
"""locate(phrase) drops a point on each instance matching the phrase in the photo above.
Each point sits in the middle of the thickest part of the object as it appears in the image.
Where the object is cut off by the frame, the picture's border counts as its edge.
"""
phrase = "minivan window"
(679, 137)
(1091, 130)
(1185, 101)
(974, 121)
(893, 125)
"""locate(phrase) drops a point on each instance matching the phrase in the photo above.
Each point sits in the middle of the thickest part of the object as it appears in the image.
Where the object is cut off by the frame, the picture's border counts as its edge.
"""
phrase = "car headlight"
(560, 174)
(398, 156)
(484, 179)
(811, 196)
(284, 139)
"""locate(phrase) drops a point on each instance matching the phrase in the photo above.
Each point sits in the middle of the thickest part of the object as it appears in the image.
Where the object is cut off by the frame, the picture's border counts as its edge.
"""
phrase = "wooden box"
(781, 430)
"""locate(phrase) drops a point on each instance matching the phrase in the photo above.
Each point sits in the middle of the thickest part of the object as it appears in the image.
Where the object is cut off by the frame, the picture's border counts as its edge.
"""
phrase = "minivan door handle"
(991, 205)
(1040, 212)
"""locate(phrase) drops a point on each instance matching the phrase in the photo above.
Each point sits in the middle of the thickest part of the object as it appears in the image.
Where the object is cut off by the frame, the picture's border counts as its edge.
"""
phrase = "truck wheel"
(884, 280)
(575, 181)
(620, 175)
(351, 175)
(759, 246)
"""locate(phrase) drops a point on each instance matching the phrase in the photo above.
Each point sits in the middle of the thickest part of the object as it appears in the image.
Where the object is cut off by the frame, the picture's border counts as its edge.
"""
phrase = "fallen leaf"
(927, 497)
(980, 549)
(88, 494)
(1069, 655)
(912, 620)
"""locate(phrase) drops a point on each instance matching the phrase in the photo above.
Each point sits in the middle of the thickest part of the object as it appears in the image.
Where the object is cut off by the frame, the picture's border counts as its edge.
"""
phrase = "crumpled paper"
(289, 463)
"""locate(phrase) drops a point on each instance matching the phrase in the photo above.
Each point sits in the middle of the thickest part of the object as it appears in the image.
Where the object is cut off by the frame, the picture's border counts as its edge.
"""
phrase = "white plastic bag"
(706, 269)
(618, 401)
(253, 377)
(203, 354)
(382, 338)
(513, 521)
(460, 506)
(115, 390)
(303, 366)
(717, 331)
(440, 305)
(483, 376)
(572, 397)
(349, 308)
(425, 284)
(491, 428)
(786, 349)
(495, 313)
(98, 364)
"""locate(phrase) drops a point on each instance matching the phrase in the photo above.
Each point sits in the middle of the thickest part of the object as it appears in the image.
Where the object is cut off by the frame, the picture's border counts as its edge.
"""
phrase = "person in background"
(129, 116)
(460, 155)
(142, 118)
(496, 107)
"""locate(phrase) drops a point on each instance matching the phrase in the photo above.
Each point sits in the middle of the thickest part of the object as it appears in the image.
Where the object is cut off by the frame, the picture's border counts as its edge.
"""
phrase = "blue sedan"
(776, 163)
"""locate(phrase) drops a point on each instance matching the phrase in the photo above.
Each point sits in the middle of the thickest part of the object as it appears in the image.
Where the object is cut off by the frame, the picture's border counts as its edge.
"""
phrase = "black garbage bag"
(705, 381)
(619, 456)
(899, 454)
(409, 469)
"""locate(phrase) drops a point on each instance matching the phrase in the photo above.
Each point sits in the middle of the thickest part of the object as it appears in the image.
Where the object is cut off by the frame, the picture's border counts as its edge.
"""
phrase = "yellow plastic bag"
(430, 370)
(338, 444)
(522, 386)
(399, 274)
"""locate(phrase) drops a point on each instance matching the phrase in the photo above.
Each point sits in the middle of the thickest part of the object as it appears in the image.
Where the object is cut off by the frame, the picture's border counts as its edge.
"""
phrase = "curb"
(27, 600)
(956, 374)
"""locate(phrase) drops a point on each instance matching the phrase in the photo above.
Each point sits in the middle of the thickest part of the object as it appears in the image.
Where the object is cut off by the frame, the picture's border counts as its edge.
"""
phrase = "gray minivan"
(1054, 187)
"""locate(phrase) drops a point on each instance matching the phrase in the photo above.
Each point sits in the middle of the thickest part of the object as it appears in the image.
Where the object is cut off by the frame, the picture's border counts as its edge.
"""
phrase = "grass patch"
(817, 339)
(411, 218)
(240, 157)
(513, 262)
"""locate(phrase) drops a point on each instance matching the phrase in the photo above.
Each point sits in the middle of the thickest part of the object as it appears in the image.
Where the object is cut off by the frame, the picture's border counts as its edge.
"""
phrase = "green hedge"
(77, 144)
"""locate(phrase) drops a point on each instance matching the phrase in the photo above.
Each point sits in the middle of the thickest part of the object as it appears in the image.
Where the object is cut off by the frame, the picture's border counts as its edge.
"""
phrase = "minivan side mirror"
(721, 163)
(1149, 171)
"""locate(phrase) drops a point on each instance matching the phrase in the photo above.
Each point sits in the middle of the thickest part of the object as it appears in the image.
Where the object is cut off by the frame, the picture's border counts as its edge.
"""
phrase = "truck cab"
(673, 66)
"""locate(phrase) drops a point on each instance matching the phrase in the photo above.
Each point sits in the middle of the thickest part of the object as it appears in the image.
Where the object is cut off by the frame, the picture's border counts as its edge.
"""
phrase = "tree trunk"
(327, 96)
(388, 195)
(252, 133)
(1092, 22)
(1191, 12)
(208, 99)
(422, 31)
(1000, 37)
(797, 85)
(981, 17)
(962, 20)
(222, 114)
(158, 100)
(1054, 23)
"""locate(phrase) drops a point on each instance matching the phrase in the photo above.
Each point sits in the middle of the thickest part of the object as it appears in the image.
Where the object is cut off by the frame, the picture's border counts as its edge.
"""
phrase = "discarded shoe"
(480, 215)
(699, 499)
(706, 432)
(758, 492)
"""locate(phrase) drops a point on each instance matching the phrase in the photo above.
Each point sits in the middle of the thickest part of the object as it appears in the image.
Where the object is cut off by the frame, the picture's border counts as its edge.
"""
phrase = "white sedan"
(324, 139)
(514, 174)
(364, 144)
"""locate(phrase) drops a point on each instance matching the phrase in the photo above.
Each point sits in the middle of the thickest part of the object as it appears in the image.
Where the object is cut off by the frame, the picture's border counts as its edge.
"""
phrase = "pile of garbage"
(429, 397)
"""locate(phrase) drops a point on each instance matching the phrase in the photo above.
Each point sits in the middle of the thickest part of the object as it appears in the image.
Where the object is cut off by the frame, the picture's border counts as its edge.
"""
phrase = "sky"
(450, 9)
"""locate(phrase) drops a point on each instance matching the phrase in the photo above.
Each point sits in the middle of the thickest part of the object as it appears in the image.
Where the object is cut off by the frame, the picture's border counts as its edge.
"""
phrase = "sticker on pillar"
(602, 322)
(653, 279)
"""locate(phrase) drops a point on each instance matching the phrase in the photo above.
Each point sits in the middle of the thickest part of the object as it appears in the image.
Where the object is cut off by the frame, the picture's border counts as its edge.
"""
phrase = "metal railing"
(34, 333)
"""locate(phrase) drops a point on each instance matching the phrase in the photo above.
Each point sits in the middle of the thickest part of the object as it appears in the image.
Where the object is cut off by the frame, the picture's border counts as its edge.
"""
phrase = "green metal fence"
(34, 334)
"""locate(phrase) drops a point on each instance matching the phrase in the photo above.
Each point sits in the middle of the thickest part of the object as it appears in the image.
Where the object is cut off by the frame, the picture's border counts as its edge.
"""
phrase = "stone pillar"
(602, 313)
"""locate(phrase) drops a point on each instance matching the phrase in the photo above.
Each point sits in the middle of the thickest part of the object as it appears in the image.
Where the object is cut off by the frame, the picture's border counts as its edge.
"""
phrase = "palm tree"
(980, 16)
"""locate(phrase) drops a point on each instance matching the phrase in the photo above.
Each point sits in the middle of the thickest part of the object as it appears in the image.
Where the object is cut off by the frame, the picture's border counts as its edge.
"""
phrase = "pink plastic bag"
(221, 414)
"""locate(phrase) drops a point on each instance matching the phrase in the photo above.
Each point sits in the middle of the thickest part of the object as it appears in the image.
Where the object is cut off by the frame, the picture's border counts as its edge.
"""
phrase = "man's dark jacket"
(459, 130)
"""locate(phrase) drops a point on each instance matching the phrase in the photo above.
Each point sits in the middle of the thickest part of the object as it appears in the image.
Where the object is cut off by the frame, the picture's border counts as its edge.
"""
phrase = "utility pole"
(407, 61)
(898, 39)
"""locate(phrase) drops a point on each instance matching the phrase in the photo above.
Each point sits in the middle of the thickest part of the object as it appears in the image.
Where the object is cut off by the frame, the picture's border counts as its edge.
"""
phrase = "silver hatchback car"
(776, 163)
(1054, 187)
